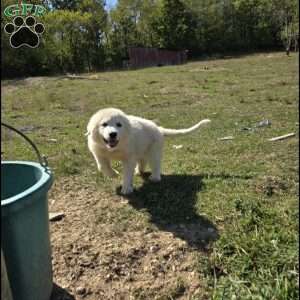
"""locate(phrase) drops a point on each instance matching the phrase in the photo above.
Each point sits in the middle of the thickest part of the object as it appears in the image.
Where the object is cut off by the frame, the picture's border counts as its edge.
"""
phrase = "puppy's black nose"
(113, 135)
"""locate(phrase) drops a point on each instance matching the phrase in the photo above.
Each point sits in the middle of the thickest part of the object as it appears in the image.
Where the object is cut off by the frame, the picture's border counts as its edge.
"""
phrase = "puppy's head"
(109, 127)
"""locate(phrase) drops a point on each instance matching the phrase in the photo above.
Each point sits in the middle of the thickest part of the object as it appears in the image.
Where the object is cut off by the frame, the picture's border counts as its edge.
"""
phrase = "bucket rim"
(46, 176)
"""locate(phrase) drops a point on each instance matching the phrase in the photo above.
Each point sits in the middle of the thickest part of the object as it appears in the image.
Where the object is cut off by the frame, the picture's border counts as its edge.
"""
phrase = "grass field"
(222, 224)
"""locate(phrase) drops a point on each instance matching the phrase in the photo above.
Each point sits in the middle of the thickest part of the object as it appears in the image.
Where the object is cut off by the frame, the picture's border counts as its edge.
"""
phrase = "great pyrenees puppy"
(113, 135)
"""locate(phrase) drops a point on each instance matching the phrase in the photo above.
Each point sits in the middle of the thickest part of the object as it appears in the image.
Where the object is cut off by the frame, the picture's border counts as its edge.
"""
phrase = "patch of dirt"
(168, 91)
(7, 89)
(91, 260)
(208, 68)
(14, 84)
(270, 185)
(87, 77)
(36, 80)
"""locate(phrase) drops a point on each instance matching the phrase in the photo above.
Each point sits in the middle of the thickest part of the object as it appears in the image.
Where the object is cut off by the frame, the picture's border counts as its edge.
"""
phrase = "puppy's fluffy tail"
(171, 132)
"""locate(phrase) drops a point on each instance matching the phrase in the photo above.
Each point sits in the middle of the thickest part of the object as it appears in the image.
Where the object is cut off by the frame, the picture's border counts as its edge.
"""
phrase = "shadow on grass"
(171, 205)
(225, 176)
(58, 293)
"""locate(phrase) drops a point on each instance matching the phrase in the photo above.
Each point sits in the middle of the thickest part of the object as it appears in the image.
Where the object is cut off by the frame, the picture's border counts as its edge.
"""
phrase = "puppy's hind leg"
(140, 168)
(155, 156)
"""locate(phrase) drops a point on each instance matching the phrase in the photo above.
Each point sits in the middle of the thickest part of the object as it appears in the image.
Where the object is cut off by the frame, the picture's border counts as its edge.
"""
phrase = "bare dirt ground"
(97, 260)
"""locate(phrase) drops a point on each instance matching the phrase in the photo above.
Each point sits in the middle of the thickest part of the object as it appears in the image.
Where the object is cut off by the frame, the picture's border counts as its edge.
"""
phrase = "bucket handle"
(42, 158)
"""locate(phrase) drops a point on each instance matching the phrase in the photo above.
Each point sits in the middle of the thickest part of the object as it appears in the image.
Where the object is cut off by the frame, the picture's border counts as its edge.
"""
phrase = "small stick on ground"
(282, 137)
(226, 138)
(56, 216)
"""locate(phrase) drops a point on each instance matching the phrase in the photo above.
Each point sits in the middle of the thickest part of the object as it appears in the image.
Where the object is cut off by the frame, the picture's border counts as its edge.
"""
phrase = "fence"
(146, 57)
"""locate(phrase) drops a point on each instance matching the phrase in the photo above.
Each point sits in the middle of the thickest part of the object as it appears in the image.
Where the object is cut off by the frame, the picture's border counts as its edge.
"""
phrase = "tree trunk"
(88, 60)
(296, 44)
(288, 37)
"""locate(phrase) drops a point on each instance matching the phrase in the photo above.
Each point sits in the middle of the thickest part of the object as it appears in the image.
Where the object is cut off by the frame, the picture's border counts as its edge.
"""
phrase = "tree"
(286, 13)
(95, 31)
(175, 26)
(75, 37)
(62, 4)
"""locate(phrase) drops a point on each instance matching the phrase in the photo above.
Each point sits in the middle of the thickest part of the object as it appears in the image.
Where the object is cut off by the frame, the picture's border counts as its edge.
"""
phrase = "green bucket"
(25, 238)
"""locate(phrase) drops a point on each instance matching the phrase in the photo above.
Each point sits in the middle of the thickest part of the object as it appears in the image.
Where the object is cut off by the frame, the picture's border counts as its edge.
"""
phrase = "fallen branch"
(89, 77)
(226, 138)
(282, 137)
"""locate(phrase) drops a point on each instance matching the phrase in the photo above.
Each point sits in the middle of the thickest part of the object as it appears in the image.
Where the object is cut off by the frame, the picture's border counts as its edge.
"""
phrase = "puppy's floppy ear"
(126, 123)
(92, 130)
(89, 129)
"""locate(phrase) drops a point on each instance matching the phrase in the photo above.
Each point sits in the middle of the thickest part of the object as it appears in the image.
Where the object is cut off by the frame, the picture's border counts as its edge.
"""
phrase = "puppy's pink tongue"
(112, 143)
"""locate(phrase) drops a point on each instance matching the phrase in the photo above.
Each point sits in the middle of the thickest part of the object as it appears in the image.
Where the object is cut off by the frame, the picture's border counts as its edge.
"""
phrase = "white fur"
(138, 142)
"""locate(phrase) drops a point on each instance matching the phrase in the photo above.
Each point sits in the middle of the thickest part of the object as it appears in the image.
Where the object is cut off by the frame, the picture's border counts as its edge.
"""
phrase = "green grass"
(247, 188)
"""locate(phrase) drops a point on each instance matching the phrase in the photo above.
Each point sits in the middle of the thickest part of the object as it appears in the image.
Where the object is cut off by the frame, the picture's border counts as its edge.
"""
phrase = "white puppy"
(113, 135)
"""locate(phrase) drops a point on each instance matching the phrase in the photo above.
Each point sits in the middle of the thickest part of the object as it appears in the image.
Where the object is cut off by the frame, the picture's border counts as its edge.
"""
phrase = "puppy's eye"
(119, 125)
(104, 124)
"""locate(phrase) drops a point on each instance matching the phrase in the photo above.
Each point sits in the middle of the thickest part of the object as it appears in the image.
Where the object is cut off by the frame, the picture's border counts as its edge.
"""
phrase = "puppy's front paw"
(126, 190)
(114, 173)
(137, 171)
(154, 178)
(111, 173)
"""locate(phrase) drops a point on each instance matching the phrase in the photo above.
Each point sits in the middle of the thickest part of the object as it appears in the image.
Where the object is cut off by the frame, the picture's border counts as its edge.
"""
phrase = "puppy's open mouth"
(111, 142)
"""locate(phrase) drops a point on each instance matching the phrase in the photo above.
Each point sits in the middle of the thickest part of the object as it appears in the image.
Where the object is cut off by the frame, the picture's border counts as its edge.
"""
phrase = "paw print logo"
(24, 32)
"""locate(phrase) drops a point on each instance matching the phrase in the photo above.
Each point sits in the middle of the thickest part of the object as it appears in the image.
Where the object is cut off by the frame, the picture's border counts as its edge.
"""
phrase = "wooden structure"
(147, 57)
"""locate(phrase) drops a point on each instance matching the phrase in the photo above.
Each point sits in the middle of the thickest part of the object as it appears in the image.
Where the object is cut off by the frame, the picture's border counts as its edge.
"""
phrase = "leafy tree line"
(85, 36)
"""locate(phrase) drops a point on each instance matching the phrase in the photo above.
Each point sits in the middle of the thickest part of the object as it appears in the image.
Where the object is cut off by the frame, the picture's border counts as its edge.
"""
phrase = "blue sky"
(111, 3)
